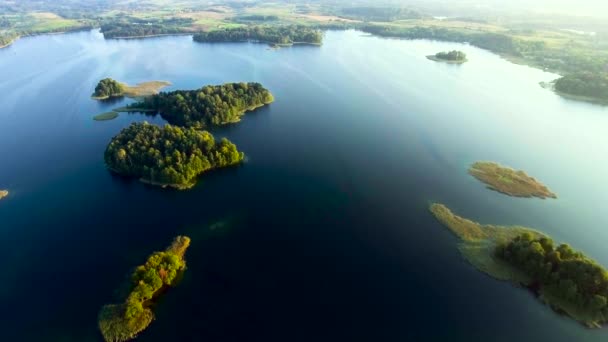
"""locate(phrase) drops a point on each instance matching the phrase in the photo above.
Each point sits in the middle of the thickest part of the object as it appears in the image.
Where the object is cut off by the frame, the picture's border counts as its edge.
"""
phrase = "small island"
(207, 106)
(122, 322)
(169, 156)
(508, 181)
(3, 194)
(565, 279)
(452, 57)
(106, 116)
(274, 35)
(108, 88)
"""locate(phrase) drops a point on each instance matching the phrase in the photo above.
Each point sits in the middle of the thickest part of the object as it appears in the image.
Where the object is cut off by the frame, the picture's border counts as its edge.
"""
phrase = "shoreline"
(19, 36)
(448, 61)
(477, 245)
(255, 41)
(580, 98)
(151, 36)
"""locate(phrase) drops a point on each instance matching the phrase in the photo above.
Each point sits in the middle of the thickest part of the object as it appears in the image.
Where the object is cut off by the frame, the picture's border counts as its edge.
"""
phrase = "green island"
(274, 35)
(3, 194)
(509, 181)
(106, 116)
(207, 106)
(168, 156)
(122, 322)
(452, 57)
(108, 88)
(565, 279)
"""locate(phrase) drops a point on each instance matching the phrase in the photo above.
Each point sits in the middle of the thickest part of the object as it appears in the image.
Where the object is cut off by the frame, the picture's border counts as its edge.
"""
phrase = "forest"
(280, 35)
(108, 88)
(168, 156)
(560, 272)
(587, 84)
(126, 27)
(452, 55)
(122, 322)
(209, 105)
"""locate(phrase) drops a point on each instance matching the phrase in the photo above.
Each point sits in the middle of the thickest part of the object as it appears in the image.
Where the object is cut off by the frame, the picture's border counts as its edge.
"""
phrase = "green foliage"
(282, 35)
(210, 105)
(7, 38)
(561, 271)
(452, 55)
(108, 88)
(169, 155)
(123, 322)
(124, 27)
(588, 84)
(496, 42)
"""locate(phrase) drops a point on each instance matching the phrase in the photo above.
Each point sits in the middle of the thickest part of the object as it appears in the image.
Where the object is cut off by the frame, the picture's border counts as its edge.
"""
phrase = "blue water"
(324, 234)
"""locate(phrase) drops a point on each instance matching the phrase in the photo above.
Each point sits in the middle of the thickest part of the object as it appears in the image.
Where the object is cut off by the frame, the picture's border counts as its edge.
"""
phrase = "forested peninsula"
(565, 279)
(454, 57)
(168, 156)
(122, 322)
(207, 106)
(108, 88)
(586, 86)
(274, 35)
(509, 181)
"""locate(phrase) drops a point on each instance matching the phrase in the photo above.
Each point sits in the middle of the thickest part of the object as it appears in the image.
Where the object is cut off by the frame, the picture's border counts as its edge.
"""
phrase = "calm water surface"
(324, 234)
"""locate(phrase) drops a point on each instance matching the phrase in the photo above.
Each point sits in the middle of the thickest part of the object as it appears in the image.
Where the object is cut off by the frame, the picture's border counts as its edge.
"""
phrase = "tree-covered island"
(565, 279)
(207, 106)
(3, 193)
(169, 155)
(108, 88)
(453, 57)
(509, 181)
(275, 35)
(122, 322)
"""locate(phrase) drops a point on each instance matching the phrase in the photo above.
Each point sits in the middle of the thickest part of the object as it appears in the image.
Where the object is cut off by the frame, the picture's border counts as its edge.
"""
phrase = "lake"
(324, 233)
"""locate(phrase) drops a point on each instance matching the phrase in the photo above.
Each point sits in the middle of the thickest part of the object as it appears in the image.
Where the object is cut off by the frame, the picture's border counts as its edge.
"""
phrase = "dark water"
(324, 234)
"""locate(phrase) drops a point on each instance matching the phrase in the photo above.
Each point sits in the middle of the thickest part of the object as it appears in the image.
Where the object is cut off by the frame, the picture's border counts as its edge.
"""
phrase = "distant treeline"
(379, 13)
(496, 42)
(210, 105)
(135, 27)
(283, 35)
(257, 17)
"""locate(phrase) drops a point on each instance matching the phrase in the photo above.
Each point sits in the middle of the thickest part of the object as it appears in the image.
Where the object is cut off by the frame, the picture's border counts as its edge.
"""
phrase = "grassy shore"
(106, 116)
(509, 181)
(478, 246)
(479, 242)
(138, 90)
